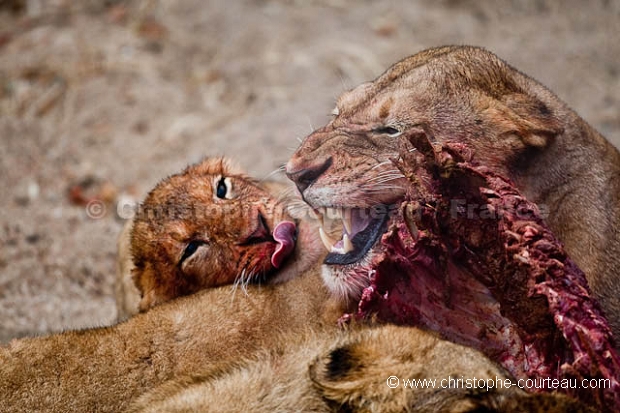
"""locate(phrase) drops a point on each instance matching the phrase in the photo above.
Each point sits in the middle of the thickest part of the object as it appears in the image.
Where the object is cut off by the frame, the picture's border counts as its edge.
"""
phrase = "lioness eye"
(387, 130)
(190, 249)
(223, 188)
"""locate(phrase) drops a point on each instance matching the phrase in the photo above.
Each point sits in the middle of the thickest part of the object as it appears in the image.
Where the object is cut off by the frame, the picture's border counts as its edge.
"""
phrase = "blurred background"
(101, 99)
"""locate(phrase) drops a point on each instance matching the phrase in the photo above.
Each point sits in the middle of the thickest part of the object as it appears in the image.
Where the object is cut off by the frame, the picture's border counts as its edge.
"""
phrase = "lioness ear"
(536, 123)
(334, 376)
(333, 366)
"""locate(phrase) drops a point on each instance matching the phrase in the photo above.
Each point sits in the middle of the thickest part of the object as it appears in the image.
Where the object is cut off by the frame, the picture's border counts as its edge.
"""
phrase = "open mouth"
(361, 229)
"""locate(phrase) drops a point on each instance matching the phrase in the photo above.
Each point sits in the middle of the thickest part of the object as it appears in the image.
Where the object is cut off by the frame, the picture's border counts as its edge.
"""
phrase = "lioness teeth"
(327, 241)
(322, 212)
(346, 245)
(346, 221)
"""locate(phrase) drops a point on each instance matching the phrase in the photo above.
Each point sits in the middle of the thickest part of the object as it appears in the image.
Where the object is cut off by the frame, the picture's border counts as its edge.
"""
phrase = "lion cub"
(207, 226)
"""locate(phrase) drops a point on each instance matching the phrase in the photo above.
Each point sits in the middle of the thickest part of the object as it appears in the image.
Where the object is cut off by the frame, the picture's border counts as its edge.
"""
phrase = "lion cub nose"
(303, 176)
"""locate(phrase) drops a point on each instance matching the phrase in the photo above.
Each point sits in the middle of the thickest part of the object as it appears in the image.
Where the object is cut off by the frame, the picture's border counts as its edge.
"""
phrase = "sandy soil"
(100, 99)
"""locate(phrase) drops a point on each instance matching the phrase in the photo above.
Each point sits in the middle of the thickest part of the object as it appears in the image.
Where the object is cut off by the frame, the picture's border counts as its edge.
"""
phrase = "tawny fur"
(184, 208)
(103, 369)
(514, 125)
(126, 293)
(461, 93)
(348, 371)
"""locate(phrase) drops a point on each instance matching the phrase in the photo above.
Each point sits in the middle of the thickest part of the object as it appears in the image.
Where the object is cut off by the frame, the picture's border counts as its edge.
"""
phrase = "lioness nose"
(303, 177)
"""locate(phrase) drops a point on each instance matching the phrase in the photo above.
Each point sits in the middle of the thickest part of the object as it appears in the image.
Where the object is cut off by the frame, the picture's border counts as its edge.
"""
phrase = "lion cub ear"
(149, 299)
(143, 281)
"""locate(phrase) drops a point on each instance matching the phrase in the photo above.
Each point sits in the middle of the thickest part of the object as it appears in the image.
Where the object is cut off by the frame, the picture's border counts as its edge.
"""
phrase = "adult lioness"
(207, 226)
(513, 124)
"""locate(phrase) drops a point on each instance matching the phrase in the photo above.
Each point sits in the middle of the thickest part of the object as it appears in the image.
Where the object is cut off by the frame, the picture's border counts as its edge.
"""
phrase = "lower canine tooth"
(327, 241)
(347, 244)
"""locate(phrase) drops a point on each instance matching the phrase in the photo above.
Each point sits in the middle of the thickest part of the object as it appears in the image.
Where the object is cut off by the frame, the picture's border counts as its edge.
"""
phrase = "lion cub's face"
(207, 226)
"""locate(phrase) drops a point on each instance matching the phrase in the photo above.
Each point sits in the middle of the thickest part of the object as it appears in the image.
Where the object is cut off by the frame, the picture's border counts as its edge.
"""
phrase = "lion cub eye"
(190, 249)
(223, 188)
(387, 130)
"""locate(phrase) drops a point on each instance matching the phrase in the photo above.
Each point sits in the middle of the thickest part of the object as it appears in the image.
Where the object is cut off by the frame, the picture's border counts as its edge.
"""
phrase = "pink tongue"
(284, 234)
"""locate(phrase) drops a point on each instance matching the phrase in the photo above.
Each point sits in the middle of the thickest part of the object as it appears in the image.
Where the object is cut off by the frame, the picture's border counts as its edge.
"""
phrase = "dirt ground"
(100, 99)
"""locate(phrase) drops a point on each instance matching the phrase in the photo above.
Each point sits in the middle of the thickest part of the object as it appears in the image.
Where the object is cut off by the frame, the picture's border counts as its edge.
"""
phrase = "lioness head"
(207, 226)
(453, 94)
